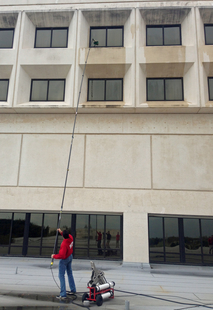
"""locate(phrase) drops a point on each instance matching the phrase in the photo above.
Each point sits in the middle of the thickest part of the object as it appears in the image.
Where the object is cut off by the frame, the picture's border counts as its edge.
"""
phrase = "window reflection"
(35, 230)
(6, 38)
(156, 233)
(82, 223)
(112, 233)
(66, 221)
(208, 34)
(96, 235)
(171, 239)
(207, 239)
(5, 225)
(106, 36)
(4, 89)
(33, 234)
(49, 231)
(192, 236)
(163, 35)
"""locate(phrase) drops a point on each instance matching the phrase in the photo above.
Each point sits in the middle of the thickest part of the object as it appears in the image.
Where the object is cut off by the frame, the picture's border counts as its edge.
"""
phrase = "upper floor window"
(6, 38)
(208, 30)
(163, 35)
(51, 37)
(106, 36)
(210, 82)
(47, 90)
(105, 90)
(4, 89)
(165, 89)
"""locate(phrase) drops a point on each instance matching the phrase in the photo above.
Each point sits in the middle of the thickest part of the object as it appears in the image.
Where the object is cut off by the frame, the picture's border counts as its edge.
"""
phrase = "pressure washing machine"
(99, 288)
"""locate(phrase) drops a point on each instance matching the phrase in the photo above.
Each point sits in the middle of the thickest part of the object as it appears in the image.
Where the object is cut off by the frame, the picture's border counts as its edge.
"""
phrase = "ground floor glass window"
(33, 234)
(181, 240)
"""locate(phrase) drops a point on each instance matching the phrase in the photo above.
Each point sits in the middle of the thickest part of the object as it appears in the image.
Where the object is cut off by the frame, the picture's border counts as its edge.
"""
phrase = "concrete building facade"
(144, 157)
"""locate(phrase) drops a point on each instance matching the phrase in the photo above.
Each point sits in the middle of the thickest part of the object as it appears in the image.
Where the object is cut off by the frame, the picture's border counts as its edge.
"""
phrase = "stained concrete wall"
(127, 164)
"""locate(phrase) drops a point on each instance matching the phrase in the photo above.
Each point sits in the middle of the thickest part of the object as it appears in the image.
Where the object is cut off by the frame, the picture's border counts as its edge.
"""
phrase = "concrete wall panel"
(118, 161)
(9, 159)
(44, 160)
(182, 162)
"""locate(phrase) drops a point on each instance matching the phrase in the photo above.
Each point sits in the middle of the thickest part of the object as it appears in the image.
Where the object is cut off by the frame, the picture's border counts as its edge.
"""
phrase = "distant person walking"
(65, 256)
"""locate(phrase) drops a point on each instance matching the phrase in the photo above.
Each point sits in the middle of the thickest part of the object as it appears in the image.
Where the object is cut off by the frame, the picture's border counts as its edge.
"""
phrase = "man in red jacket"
(65, 256)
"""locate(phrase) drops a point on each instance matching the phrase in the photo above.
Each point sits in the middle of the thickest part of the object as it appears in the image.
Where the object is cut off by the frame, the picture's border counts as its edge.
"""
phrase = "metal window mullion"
(11, 229)
(51, 37)
(88, 236)
(163, 34)
(106, 39)
(42, 230)
(164, 85)
(209, 88)
(104, 236)
(164, 251)
(105, 90)
(201, 241)
(47, 97)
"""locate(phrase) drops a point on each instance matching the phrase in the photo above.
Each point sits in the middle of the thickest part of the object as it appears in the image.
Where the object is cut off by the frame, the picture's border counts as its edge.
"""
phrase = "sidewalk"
(29, 282)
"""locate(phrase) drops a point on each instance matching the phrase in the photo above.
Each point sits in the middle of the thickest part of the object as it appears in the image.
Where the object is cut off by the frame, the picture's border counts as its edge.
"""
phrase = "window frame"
(106, 28)
(7, 89)
(51, 28)
(163, 27)
(48, 80)
(6, 29)
(206, 25)
(164, 79)
(120, 79)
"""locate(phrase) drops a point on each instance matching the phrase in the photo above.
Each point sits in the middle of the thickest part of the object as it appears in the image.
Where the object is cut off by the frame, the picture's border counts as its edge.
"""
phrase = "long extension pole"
(69, 158)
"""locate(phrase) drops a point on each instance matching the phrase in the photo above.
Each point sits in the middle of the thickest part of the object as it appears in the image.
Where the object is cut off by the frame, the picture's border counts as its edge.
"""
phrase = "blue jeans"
(65, 265)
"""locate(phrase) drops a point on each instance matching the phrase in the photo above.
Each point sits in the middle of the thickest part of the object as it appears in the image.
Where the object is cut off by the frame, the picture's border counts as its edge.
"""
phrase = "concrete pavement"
(28, 283)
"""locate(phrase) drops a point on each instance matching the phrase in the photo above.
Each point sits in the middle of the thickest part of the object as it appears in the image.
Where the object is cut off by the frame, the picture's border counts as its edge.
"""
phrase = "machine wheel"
(99, 300)
(84, 297)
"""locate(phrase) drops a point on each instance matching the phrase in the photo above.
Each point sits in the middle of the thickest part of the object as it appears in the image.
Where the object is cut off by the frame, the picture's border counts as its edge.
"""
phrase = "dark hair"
(65, 234)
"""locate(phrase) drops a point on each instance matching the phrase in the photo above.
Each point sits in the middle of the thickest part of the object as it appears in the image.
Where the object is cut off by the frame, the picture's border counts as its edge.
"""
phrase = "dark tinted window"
(34, 234)
(156, 233)
(51, 37)
(106, 36)
(47, 90)
(210, 80)
(163, 89)
(4, 89)
(208, 29)
(6, 38)
(163, 35)
(172, 249)
(105, 90)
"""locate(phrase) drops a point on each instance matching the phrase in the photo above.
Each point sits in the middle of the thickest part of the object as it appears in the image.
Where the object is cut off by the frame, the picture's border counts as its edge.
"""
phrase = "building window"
(106, 36)
(105, 90)
(181, 240)
(4, 89)
(6, 38)
(51, 37)
(208, 30)
(165, 89)
(33, 234)
(210, 80)
(47, 90)
(163, 35)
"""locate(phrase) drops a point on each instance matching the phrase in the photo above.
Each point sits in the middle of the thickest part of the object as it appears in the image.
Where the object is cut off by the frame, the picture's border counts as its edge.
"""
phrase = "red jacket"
(66, 248)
